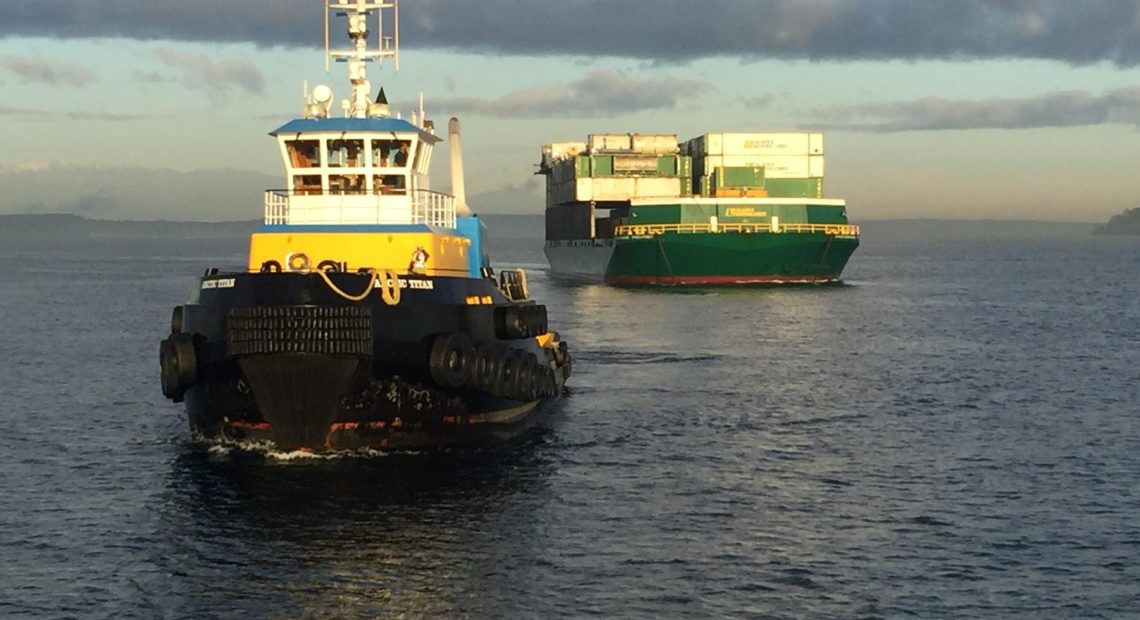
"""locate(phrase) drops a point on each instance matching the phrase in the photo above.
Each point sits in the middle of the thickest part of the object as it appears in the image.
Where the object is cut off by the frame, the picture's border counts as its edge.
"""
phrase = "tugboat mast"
(358, 57)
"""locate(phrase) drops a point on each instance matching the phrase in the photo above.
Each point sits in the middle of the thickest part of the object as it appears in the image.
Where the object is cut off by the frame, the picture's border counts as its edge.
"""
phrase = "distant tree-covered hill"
(1126, 223)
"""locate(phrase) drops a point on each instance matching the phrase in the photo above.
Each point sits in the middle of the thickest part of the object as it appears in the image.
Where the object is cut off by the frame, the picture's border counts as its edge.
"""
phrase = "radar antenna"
(361, 53)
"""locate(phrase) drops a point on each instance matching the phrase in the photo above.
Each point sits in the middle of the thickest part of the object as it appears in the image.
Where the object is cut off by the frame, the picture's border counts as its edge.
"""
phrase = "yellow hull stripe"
(447, 254)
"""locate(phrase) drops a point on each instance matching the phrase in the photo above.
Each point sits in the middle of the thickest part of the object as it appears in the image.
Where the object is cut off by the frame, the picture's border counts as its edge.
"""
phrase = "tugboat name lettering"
(221, 283)
(424, 285)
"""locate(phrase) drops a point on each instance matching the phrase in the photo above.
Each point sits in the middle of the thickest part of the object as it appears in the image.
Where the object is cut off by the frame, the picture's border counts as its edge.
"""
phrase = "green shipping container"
(739, 177)
(795, 188)
(686, 186)
(583, 166)
(603, 166)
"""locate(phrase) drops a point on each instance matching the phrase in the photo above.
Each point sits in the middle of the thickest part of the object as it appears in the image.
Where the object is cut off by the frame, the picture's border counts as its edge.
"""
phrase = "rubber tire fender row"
(509, 368)
(536, 319)
(488, 365)
(451, 359)
(510, 323)
(522, 387)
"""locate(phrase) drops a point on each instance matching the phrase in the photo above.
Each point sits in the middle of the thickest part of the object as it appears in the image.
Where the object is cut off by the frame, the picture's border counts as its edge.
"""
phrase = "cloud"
(599, 93)
(216, 77)
(46, 115)
(150, 77)
(1059, 109)
(1071, 31)
(35, 69)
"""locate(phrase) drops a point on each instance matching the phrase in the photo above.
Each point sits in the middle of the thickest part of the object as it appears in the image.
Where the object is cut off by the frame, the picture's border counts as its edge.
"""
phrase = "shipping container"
(794, 188)
(727, 177)
(639, 164)
(759, 144)
(775, 167)
(626, 188)
(609, 142)
(558, 151)
(657, 144)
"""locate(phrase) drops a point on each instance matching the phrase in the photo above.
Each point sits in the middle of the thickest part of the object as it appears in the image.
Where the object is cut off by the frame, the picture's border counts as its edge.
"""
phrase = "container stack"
(757, 164)
(616, 167)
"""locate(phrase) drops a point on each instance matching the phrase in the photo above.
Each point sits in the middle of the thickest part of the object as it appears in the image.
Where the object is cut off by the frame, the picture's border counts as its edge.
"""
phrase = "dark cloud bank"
(1072, 31)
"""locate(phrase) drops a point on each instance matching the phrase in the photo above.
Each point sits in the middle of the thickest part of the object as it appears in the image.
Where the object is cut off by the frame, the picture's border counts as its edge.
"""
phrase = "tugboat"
(721, 209)
(368, 316)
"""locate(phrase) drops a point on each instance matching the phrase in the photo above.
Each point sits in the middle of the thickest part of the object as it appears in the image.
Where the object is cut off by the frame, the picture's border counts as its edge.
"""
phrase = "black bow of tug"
(287, 359)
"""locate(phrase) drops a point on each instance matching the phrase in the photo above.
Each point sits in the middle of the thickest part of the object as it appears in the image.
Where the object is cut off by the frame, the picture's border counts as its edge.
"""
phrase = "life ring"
(488, 364)
(450, 359)
(328, 265)
(298, 261)
(271, 266)
(390, 287)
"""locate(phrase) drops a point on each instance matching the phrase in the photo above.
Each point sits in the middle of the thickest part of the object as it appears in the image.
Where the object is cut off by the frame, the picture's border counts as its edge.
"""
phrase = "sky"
(941, 109)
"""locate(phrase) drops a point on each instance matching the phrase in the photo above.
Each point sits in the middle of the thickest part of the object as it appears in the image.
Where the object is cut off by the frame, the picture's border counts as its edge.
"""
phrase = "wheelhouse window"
(346, 184)
(388, 184)
(345, 153)
(305, 184)
(401, 153)
(381, 152)
(304, 153)
(391, 153)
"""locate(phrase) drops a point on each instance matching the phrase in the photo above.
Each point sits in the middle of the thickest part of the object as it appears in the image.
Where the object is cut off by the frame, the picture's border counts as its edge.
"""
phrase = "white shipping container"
(657, 144)
(815, 166)
(757, 144)
(771, 143)
(600, 142)
(626, 188)
(561, 150)
(775, 166)
(815, 144)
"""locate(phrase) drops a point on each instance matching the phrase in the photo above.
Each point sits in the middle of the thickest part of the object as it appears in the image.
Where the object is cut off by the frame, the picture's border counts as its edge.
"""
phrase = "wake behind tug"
(368, 315)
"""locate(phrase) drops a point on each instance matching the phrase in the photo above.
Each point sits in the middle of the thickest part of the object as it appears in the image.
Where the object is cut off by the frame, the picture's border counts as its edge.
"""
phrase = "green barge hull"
(706, 259)
(729, 258)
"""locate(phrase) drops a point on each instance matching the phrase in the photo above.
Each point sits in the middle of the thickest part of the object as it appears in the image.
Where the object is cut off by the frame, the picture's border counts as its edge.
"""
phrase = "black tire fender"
(450, 359)
(488, 365)
(511, 322)
(176, 320)
(178, 363)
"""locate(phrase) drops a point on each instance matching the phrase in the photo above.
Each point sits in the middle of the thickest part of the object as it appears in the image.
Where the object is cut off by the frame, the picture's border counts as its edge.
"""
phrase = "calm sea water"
(955, 433)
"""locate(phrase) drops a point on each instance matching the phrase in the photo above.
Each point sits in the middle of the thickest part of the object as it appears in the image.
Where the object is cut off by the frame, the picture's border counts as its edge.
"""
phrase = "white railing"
(433, 208)
(283, 207)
